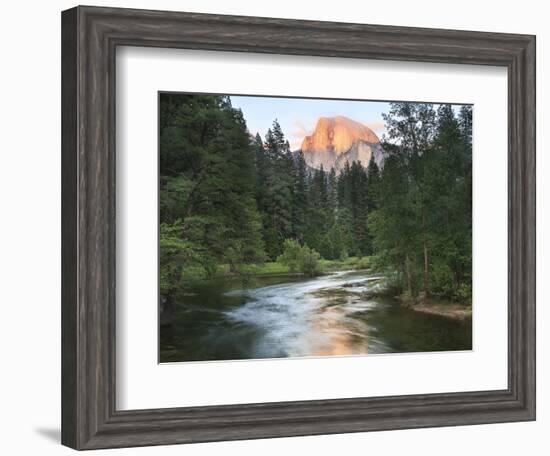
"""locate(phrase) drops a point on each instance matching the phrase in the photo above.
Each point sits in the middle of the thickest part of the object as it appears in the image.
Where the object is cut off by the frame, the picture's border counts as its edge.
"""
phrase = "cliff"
(337, 140)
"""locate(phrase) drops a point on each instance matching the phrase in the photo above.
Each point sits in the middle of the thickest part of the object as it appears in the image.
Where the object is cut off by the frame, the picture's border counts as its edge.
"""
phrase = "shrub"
(463, 293)
(300, 258)
(363, 263)
(310, 261)
(344, 254)
(291, 256)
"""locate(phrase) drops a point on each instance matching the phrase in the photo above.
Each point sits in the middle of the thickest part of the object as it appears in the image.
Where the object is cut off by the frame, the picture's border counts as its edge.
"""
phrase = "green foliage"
(174, 254)
(232, 204)
(276, 185)
(421, 225)
(300, 198)
(291, 256)
(207, 185)
(310, 261)
(300, 258)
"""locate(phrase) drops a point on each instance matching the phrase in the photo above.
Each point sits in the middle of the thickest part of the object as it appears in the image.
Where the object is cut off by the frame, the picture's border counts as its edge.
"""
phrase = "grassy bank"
(348, 264)
(275, 268)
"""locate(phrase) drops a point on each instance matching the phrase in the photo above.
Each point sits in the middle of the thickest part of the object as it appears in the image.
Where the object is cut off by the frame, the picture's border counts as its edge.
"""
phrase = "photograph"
(275, 228)
(305, 227)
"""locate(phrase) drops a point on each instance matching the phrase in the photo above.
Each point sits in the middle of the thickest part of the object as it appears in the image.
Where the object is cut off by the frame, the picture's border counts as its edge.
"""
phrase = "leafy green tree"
(421, 222)
(394, 224)
(175, 254)
(413, 127)
(449, 182)
(208, 180)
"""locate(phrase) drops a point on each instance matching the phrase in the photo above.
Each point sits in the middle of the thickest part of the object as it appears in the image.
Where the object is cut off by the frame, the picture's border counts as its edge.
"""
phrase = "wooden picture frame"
(90, 36)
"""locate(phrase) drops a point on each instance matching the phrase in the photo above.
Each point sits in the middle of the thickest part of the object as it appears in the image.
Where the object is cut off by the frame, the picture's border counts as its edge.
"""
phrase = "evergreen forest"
(236, 204)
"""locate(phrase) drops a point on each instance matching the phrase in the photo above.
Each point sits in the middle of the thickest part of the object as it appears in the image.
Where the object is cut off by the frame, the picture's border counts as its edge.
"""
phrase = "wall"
(30, 230)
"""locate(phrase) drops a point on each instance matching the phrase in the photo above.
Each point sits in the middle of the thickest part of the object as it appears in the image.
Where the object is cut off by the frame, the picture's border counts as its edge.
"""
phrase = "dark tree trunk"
(408, 275)
(426, 258)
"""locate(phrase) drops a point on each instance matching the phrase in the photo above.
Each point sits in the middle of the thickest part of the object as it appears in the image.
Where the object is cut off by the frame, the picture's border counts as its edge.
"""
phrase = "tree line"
(227, 198)
(422, 225)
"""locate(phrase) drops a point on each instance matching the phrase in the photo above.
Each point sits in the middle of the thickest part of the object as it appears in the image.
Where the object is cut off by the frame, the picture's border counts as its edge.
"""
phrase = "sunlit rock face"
(337, 140)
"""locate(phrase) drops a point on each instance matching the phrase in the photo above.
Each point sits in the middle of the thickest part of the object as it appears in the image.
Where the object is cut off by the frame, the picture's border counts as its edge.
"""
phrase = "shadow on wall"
(52, 434)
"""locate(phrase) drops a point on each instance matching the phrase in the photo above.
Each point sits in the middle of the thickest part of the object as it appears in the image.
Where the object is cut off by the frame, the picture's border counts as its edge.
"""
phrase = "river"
(287, 316)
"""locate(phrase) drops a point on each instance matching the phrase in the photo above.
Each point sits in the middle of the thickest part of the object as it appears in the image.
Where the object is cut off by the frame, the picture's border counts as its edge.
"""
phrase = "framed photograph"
(279, 228)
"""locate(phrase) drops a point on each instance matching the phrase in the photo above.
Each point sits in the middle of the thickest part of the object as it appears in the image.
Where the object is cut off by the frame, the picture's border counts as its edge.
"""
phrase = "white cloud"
(376, 125)
(299, 131)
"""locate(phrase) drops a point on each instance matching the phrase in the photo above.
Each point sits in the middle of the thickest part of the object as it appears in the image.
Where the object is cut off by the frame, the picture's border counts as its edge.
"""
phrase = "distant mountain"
(337, 140)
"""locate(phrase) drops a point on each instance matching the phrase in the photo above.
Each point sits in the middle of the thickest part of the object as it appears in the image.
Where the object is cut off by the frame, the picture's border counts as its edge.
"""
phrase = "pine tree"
(207, 191)
(227, 198)
(359, 210)
(373, 182)
(421, 223)
(332, 192)
(413, 125)
(300, 201)
(278, 207)
(449, 187)
(465, 123)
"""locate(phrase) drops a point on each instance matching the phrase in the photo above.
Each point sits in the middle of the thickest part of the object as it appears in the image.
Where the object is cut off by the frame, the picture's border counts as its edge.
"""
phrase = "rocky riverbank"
(443, 309)
(447, 309)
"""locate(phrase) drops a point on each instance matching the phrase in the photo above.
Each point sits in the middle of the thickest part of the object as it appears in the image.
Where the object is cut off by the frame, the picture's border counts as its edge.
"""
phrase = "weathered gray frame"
(90, 36)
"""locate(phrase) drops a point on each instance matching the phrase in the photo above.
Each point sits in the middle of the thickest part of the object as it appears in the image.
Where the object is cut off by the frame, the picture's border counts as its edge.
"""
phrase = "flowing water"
(294, 317)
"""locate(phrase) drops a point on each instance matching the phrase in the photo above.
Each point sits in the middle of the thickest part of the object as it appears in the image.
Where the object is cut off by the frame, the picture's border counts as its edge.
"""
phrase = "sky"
(297, 116)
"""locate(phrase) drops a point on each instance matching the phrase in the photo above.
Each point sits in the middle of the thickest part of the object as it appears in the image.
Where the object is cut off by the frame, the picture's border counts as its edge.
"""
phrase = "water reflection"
(327, 315)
